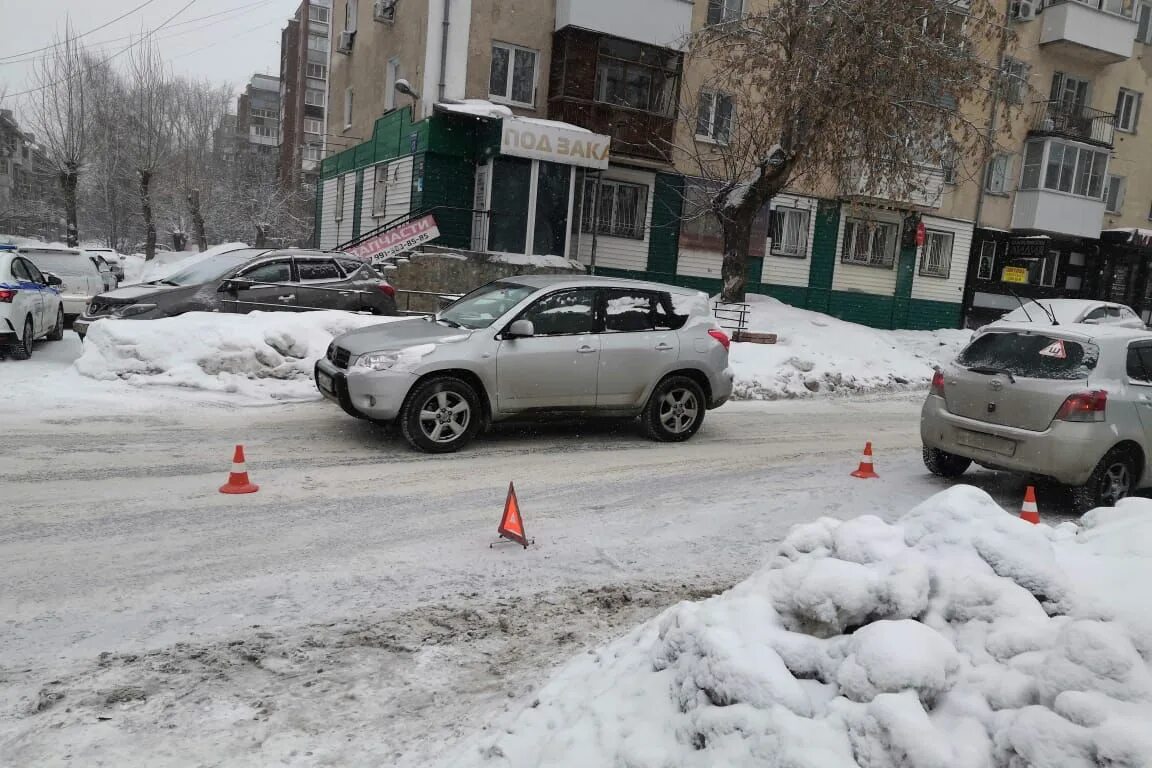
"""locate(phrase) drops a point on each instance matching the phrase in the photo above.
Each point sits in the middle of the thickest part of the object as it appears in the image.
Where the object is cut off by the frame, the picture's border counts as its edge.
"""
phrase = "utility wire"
(97, 29)
(226, 39)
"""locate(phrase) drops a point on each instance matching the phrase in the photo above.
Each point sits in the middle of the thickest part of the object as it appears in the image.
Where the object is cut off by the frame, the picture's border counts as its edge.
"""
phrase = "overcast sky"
(242, 37)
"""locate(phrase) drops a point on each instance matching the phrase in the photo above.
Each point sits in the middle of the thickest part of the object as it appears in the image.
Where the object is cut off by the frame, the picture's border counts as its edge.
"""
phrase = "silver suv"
(1072, 403)
(536, 345)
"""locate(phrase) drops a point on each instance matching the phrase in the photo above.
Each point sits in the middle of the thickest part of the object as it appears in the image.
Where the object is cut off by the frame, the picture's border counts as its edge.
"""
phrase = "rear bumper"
(1065, 452)
(365, 394)
(74, 306)
(722, 387)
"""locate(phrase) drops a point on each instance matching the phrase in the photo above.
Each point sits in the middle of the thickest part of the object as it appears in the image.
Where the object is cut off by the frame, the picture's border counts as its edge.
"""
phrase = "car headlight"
(135, 309)
(377, 361)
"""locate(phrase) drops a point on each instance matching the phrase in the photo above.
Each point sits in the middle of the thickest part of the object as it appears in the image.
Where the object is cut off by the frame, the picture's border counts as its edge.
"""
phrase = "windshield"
(485, 305)
(1031, 355)
(212, 268)
(62, 264)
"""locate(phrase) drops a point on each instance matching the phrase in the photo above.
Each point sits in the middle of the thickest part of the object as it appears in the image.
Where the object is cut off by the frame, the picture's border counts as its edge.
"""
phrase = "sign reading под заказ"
(554, 143)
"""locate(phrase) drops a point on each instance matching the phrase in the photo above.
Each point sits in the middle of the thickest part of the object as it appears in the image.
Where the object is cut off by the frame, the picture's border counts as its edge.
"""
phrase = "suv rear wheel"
(441, 415)
(1113, 479)
(944, 464)
(675, 410)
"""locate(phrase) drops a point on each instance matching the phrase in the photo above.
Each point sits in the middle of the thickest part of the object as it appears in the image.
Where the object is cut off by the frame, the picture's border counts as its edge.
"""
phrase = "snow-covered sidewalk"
(959, 637)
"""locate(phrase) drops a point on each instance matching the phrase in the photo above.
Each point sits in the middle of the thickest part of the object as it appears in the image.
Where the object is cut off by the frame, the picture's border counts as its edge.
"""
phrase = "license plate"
(325, 382)
(986, 442)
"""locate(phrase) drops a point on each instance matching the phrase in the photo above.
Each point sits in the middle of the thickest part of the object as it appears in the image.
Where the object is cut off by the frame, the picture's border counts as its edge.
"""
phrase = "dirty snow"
(818, 354)
(958, 637)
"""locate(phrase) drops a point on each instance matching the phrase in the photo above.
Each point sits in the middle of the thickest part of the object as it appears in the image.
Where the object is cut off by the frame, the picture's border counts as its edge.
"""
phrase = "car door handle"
(662, 347)
(289, 297)
(585, 349)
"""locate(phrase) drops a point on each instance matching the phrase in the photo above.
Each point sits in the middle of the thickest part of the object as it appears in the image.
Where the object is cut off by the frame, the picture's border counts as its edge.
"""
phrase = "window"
(638, 311)
(1114, 198)
(1075, 169)
(790, 233)
(936, 256)
(513, 75)
(1127, 110)
(1144, 26)
(314, 97)
(348, 104)
(987, 265)
(339, 212)
(319, 13)
(313, 153)
(316, 270)
(392, 74)
(1019, 353)
(20, 271)
(564, 313)
(317, 43)
(380, 183)
(999, 169)
(269, 114)
(714, 117)
(317, 71)
(351, 267)
(1140, 364)
(637, 76)
(351, 11)
(272, 272)
(1070, 92)
(35, 274)
(869, 243)
(1015, 80)
(1041, 271)
(623, 209)
(312, 125)
(720, 11)
(264, 131)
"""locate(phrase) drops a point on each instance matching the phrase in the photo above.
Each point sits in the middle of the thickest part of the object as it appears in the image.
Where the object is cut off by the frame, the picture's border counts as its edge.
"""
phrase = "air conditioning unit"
(1023, 10)
(346, 40)
(384, 11)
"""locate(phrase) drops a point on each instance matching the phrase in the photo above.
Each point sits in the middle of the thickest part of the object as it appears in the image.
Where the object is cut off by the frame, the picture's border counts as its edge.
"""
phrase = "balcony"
(1095, 31)
(634, 133)
(665, 23)
(1071, 121)
(1047, 211)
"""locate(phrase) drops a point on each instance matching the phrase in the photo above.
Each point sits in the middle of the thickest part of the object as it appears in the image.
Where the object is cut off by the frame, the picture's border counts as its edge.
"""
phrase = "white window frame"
(729, 10)
(322, 69)
(1114, 203)
(1144, 23)
(384, 177)
(991, 262)
(1052, 259)
(999, 171)
(338, 214)
(313, 153)
(511, 77)
(319, 101)
(319, 14)
(1084, 170)
(710, 100)
(798, 248)
(1128, 104)
(313, 122)
(391, 75)
(609, 189)
(1015, 78)
(349, 106)
(351, 11)
(855, 228)
(318, 43)
(936, 254)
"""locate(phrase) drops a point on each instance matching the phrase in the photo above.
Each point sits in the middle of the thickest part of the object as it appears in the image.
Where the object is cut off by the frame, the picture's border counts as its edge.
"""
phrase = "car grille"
(339, 357)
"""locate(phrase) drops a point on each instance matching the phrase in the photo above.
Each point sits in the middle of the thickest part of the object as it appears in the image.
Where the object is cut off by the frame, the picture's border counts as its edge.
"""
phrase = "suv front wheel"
(441, 415)
(1113, 479)
(675, 410)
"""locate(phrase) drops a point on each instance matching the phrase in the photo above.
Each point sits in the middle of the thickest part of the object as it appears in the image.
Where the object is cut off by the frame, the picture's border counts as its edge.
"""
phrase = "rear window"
(62, 264)
(1031, 355)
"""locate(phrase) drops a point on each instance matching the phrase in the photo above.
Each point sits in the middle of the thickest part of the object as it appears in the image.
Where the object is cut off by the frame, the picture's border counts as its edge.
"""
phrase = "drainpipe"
(444, 51)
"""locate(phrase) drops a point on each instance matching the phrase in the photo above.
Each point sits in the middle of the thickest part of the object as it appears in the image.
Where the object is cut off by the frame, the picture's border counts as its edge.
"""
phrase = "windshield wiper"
(164, 282)
(991, 370)
(449, 323)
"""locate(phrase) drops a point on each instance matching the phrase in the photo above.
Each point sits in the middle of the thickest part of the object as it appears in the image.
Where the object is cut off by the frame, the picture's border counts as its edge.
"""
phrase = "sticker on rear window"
(1056, 350)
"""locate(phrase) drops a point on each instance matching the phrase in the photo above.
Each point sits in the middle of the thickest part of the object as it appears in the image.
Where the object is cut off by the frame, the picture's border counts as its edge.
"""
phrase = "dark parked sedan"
(248, 280)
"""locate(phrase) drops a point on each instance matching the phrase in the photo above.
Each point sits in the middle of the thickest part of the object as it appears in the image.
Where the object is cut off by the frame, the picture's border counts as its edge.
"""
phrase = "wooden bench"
(754, 338)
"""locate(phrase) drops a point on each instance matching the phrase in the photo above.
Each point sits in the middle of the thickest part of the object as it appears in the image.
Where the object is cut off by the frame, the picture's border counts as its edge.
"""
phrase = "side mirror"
(1091, 321)
(521, 329)
(53, 279)
(230, 286)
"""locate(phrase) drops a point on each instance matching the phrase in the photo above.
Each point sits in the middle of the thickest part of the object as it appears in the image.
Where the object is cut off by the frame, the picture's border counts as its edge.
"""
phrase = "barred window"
(622, 212)
(936, 256)
(790, 233)
(869, 243)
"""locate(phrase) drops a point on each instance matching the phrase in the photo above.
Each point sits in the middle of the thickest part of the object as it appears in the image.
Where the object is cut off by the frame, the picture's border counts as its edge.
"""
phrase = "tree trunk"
(737, 227)
(146, 209)
(197, 219)
(261, 236)
(180, 241)
(69, 179)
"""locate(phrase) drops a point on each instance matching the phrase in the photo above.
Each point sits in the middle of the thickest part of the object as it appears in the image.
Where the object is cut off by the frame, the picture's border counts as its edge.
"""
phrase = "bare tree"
(853, 98)
(59, 110)
(199, 106)
(149, 126)
(109, 183)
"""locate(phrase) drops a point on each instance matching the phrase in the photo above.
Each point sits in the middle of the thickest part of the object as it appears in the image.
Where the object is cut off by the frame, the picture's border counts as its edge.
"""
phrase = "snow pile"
(137, 270)
(816, 353)
(263, 355)
(960, 637)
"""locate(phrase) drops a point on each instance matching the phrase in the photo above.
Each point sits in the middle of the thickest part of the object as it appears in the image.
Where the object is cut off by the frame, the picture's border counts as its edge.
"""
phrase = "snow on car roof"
(1066, 310)
(1073, 331)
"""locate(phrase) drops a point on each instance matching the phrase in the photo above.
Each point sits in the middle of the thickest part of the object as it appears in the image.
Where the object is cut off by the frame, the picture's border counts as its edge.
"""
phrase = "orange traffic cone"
(866, 472)
(511, 524)
(1030, 511)
(238, 481)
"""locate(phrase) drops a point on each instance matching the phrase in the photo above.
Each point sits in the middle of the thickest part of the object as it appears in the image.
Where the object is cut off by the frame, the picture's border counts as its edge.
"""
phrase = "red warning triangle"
(511, 524)
(1055, 349)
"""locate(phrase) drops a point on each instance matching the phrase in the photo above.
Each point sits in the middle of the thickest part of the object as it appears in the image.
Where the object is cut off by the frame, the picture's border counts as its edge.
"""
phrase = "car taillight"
(938, 384)
(6, 295)
(1084, 406)
(387, 290)
(721, 337)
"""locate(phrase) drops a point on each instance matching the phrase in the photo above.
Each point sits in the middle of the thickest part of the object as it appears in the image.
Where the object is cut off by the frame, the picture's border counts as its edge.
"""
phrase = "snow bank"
(816, 353)
(266, 356)
(137, 270)
(960, 637)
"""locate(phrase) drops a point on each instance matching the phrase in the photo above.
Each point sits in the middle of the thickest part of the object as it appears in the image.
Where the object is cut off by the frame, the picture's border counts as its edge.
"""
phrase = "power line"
(97, 29)
(240, 11)
(121, 52)
(226, 39)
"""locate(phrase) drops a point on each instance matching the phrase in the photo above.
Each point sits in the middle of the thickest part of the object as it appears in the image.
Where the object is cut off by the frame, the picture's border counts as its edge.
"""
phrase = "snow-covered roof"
(492, 111)
(1065, 310)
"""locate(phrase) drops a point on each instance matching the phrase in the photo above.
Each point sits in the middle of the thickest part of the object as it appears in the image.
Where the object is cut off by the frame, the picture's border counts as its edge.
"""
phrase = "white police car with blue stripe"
(30, 305)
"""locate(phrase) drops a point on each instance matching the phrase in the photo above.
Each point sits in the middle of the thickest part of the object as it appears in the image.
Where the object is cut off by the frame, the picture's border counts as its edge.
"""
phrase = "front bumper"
(365, 394)
(1066, 452)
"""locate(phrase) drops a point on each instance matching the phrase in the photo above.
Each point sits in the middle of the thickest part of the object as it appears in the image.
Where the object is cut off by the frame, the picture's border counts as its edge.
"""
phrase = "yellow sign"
(1014, 275)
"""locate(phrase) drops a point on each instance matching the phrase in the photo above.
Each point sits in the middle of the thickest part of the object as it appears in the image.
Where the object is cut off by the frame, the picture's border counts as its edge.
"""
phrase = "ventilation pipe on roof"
(444, 51)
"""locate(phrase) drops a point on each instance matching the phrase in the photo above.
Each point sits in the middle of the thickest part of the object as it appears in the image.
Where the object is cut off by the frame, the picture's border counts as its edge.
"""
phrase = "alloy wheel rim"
(445, 417)
(1117, 483)
(678, 411)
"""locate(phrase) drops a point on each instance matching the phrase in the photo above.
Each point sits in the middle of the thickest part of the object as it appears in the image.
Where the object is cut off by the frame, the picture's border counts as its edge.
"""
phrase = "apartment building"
(304, 50)
(497, 88)
(258, 115)
(27, 183)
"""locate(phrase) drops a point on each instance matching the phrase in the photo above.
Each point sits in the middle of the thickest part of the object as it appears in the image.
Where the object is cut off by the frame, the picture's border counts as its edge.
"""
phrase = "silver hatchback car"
(536, 345)
(1071, 403)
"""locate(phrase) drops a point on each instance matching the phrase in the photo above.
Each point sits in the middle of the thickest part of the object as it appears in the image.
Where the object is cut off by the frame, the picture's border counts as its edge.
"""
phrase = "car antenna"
(1021, 301)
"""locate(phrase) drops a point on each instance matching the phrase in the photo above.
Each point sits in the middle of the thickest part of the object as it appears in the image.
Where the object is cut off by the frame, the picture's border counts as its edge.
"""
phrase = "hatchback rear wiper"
(991, 370)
